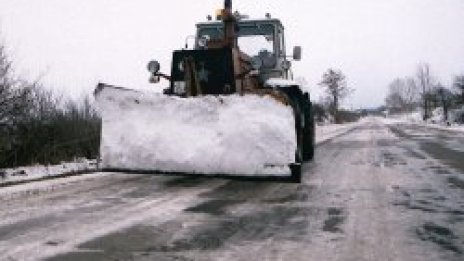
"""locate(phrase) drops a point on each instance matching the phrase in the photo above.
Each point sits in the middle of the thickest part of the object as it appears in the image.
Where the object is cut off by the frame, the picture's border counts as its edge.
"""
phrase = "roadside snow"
(455, 122)
(237, 135)
(40, 186)
(330, 131)
(459, 128)
(36, 172)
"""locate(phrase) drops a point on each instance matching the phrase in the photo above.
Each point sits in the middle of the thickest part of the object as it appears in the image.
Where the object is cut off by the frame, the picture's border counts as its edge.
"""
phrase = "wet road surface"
(381, 192)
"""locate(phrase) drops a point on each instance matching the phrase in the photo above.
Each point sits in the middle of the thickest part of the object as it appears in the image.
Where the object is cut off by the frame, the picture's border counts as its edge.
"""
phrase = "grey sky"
(78, 43)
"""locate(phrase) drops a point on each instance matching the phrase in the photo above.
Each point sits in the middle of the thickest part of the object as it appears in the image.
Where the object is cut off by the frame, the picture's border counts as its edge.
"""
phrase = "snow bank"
(329, 131)
(237, 135)
(455, 116)
(36, 172)
(437, 120)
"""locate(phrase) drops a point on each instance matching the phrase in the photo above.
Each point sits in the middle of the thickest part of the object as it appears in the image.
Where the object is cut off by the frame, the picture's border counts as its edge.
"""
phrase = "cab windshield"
(253, 38)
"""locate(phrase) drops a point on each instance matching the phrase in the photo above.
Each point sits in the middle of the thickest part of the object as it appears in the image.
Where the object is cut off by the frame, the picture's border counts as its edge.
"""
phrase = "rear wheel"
(300, 148)
(313, 141)
(310, 142)
(296, 100)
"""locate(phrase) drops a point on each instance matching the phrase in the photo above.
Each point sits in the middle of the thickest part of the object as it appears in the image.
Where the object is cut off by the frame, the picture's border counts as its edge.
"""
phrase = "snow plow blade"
(246, 136)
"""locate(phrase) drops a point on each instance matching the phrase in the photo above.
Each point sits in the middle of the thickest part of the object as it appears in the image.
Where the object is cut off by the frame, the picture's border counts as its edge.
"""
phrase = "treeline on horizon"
(425, 92)
(38, 126)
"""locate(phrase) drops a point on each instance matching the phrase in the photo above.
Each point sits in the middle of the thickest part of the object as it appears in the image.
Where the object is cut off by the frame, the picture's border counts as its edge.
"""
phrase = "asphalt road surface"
(379, 192)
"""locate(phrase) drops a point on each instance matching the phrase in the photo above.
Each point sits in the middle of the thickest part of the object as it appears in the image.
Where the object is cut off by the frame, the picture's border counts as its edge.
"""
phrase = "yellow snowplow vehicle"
(231, 108)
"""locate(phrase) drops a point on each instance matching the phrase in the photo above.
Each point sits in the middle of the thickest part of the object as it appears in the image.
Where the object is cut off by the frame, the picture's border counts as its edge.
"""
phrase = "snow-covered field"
(38, 172)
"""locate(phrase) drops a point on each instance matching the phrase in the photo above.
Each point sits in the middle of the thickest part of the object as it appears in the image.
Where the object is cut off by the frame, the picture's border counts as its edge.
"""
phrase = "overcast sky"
(76, 43)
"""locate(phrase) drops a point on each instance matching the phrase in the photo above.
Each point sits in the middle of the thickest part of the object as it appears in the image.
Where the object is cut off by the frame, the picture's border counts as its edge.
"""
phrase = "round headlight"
(203, 41)
(153, 67)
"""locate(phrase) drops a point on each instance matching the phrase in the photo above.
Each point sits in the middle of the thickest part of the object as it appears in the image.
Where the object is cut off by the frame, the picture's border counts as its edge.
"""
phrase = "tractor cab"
(231, 55)
(262, 41)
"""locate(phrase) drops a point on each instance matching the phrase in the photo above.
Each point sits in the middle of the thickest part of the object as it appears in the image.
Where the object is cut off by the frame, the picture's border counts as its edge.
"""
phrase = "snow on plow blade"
(232, 135)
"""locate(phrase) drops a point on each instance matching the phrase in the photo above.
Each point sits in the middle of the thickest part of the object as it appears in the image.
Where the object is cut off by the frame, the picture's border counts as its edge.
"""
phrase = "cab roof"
(243, 21)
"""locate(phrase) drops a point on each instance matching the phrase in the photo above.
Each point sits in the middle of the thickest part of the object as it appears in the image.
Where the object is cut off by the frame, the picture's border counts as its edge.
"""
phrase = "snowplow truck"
(231, 108)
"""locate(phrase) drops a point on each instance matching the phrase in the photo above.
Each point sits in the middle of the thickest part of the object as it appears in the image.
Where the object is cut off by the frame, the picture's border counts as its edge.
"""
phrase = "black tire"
(313, 140)
(300, 149)
(309, 136)
(296, 99)
(296, 173)
(308, 151)
(299, 154)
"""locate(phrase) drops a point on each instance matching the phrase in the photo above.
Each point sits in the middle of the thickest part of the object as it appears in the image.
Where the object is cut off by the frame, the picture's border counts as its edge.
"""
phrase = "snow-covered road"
(378, 192)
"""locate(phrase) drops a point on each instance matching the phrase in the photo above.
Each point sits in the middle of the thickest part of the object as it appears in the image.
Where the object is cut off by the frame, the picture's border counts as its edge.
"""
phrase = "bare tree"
(411, 93)
(15, 98)
(445, 98)
(395, 100)
(402, 95)
(458, 85)
(425, 83)
(335, 85)
(36, 127)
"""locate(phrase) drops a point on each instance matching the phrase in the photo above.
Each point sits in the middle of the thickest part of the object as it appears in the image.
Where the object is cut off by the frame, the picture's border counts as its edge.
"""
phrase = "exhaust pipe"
(228, 5)
(229, 25)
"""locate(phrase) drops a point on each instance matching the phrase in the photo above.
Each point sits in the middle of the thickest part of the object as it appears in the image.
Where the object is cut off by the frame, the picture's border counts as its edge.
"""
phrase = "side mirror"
(297, 53)
(153, 67)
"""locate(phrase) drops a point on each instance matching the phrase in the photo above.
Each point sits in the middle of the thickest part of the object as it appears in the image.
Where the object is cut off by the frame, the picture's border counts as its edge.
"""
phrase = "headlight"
(153, 67)
(203, 41)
